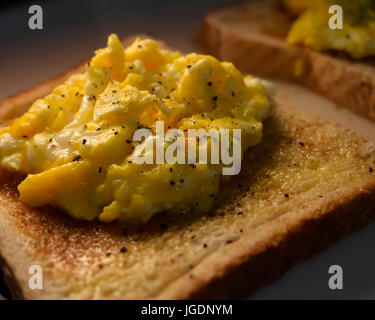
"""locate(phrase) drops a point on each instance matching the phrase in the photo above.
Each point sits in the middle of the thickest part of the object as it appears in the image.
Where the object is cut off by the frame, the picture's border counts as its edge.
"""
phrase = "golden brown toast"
(252, 35)
(307, 184)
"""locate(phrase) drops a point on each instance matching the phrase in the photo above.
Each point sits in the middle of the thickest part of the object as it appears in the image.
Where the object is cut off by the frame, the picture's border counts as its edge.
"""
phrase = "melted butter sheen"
(357, 38)
(76, 144)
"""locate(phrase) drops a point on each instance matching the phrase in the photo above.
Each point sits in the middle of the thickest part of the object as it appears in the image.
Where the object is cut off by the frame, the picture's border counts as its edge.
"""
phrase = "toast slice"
(252, 35)
(306, 185)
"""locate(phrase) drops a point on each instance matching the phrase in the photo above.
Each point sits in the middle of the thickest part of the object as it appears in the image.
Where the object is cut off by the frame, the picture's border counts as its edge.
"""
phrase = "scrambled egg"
(76, 144)
(311, 28)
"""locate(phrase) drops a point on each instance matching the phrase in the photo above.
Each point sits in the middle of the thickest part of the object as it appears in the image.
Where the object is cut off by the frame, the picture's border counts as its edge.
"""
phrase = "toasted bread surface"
(252, 35)
(307, 184)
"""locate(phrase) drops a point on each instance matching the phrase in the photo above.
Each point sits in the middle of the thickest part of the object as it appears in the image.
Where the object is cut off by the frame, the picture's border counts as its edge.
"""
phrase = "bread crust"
(43, 235)
(252, 36)
(285, 241)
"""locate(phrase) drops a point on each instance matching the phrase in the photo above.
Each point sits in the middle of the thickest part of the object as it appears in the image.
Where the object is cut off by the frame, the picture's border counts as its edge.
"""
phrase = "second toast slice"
(253, 36)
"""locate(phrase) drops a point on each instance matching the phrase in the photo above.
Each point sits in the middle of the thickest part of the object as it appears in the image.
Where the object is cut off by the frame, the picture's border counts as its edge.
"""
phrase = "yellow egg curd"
(311, 28)
(76, 144)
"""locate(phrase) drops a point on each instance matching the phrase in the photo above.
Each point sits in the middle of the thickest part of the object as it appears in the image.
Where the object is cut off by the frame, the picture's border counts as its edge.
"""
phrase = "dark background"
(74, 29)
